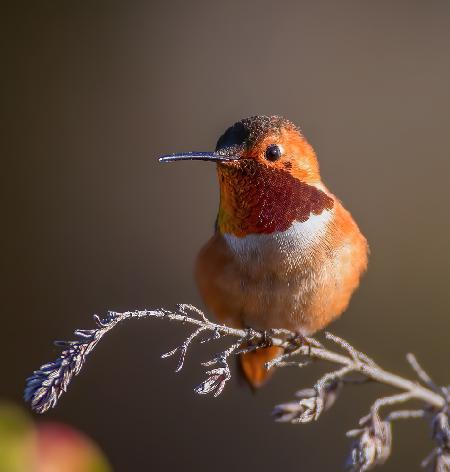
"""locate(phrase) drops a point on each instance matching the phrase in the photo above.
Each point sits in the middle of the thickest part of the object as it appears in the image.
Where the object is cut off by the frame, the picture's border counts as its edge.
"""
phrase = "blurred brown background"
(93, 92)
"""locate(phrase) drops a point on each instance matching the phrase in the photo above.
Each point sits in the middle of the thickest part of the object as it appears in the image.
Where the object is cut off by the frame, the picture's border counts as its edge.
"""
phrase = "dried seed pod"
(373, 446)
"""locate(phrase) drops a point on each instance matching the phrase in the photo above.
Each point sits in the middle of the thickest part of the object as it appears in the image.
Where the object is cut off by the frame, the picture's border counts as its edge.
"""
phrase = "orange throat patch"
(257, 200)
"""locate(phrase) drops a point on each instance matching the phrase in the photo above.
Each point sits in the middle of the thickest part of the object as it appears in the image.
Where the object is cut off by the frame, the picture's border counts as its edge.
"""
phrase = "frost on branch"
(373, 437)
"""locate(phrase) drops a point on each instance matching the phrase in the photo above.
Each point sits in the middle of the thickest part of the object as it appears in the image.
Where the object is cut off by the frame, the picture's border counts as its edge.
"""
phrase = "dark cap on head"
(250, 130)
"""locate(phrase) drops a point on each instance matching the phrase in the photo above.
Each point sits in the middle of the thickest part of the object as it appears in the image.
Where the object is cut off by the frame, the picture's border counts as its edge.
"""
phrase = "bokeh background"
(93, 92)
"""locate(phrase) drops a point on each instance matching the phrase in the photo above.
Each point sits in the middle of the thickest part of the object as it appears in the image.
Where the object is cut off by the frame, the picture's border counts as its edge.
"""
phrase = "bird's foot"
(264, 339)
(300, 340)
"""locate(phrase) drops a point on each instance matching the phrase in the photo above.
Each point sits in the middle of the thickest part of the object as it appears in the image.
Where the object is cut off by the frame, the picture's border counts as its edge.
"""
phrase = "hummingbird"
(285, 253)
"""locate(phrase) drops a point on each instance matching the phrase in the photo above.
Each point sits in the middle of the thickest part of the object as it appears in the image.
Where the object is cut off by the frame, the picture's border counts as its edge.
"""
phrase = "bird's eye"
(273, 152)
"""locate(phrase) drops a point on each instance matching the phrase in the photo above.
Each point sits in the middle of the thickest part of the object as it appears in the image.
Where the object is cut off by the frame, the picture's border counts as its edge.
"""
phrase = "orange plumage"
(285, 253)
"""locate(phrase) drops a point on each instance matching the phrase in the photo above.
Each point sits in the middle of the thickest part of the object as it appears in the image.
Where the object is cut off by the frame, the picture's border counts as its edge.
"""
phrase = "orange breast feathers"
(267, 285)
(299, 276)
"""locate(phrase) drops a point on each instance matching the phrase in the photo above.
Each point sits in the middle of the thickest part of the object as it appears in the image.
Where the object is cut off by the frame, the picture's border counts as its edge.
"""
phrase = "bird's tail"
(252, 365)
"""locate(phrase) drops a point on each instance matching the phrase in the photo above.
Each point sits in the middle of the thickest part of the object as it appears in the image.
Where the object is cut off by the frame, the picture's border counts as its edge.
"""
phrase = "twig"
(385, 401)
(47, 384)
(425, 378)
(405, 415)
(357, 356)
(183, 348)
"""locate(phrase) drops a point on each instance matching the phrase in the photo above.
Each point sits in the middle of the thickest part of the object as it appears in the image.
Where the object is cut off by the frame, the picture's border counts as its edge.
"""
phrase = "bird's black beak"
(197, 156)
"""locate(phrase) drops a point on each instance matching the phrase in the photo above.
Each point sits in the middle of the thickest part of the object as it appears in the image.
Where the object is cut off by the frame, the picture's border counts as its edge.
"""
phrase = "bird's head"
(268, 175)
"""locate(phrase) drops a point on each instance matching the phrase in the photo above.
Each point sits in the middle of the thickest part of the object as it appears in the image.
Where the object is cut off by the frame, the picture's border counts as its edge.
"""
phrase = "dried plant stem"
(48, 383)
(372, 372)
(375, 373)
(405, 415)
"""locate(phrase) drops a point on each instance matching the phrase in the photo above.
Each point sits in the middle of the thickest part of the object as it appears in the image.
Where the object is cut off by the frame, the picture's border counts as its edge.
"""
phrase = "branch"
(373, 445)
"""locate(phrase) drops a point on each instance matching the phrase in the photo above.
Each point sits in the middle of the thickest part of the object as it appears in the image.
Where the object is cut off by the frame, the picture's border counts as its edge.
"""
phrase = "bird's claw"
(299, 340)
(266, 339)
(263, 340)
